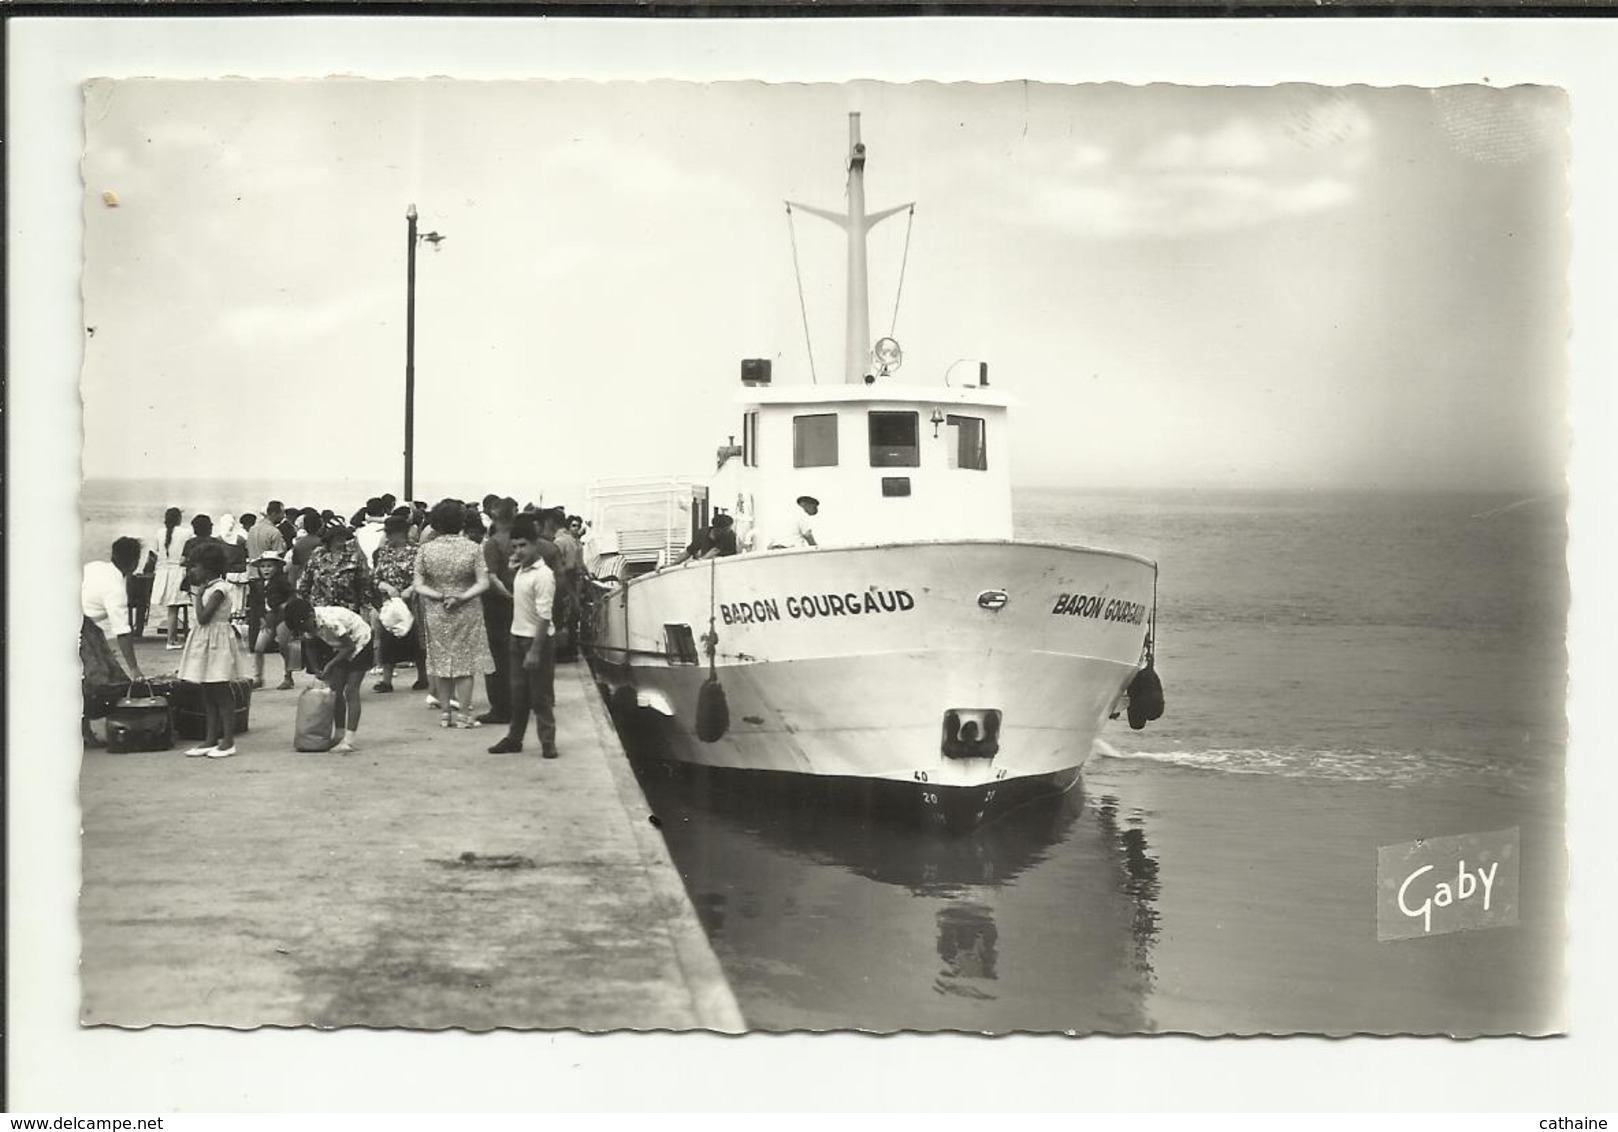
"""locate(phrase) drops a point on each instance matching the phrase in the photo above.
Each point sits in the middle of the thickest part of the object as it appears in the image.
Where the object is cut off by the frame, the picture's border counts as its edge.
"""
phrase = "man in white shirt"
(370, 533)
(802, 530)
(104, 600)
(533, 646)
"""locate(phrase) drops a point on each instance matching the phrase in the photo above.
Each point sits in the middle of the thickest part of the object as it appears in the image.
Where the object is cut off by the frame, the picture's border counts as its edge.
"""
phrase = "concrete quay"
(419, 882)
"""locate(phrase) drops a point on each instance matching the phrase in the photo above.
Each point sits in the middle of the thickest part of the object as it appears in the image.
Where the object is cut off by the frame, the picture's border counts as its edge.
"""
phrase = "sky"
(1273, 287)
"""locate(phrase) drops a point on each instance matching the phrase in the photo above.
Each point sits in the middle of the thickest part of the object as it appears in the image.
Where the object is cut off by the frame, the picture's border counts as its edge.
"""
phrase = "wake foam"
(1345, 765)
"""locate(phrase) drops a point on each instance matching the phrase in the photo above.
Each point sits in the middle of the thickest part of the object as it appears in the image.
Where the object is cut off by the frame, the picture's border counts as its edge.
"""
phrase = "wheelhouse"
(885, 462)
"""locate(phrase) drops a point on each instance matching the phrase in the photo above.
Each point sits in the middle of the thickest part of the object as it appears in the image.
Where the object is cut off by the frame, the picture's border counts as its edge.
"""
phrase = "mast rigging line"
(910, 223)
(803, 308)
(1151, 635)
(711, 640)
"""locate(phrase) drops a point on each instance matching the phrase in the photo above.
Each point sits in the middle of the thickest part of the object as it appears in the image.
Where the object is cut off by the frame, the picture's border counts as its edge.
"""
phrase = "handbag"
(140, 723)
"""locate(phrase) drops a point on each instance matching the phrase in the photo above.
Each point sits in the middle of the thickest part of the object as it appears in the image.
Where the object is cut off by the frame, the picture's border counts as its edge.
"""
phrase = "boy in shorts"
(268, 598)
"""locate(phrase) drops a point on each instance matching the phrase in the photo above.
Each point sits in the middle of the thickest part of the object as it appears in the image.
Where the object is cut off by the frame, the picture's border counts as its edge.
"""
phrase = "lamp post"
(410, 356)
(411, 240)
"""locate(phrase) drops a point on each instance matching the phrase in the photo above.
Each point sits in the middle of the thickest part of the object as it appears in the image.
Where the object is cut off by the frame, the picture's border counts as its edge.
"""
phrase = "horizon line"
(1535, 491)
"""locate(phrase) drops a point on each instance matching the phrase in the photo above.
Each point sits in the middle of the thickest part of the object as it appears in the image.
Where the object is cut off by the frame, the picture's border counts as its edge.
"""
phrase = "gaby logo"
(1447, 884)
(1466, 887)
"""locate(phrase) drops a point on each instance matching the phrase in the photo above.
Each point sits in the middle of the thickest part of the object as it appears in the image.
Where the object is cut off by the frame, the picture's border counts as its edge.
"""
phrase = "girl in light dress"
(168, 582)
(211, 656)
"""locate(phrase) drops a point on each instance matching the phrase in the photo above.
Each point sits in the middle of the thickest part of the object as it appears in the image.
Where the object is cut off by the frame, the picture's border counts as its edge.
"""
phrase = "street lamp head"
(410, 213)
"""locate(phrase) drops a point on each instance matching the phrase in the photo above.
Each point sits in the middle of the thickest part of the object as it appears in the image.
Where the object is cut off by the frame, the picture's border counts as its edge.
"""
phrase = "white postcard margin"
(56, 1066)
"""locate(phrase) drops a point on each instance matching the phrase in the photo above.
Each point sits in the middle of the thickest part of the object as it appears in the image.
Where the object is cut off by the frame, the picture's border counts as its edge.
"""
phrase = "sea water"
(1342, 672)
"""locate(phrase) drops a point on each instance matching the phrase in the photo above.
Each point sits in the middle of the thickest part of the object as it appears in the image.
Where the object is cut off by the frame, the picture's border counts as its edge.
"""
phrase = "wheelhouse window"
(895, 440)
(814, 441)
(970, 447)
(750, 440)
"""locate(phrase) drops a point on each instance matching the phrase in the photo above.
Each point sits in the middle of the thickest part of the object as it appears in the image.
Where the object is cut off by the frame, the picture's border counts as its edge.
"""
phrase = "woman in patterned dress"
(335, 575)
(450, 577)
(394, 571)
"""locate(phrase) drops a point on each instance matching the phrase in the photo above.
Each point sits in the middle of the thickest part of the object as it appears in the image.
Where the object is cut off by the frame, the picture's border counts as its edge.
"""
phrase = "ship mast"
(857, 332)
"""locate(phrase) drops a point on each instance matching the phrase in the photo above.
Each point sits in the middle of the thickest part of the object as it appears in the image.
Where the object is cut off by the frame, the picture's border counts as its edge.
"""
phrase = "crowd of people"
(454, 591)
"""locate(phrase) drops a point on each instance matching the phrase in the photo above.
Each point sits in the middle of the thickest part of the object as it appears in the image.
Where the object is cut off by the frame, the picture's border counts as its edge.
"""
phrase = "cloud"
(1086, 159)
(636, 171)
(1238, 172)
(252, 324)
(1132, 205)
(1238, 144)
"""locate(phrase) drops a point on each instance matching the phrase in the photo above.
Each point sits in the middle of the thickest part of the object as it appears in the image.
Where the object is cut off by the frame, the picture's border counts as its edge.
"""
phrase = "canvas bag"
(140, 723)
(316, 723)
(396, 617)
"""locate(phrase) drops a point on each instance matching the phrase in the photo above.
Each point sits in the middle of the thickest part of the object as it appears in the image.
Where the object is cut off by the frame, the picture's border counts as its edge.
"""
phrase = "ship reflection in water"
(831, 910)
(966, 943)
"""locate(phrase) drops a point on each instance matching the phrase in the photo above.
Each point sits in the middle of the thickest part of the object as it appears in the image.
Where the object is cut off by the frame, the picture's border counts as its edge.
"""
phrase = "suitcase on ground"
(140, 723)
(191, 721)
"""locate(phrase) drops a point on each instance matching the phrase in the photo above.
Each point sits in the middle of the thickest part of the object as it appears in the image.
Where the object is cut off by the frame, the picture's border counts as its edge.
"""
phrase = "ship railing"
(643, 518)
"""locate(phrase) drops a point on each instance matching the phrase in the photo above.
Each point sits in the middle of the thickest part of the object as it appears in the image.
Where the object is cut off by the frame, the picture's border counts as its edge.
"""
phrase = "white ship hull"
(870, 662)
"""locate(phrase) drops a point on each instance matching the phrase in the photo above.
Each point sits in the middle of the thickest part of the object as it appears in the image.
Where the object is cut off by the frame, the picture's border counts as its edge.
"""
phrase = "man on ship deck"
(723, 537)
(698, 547)
(802, 531)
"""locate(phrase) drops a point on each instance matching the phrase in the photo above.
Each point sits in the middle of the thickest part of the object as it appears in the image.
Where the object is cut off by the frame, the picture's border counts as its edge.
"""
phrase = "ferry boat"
(916, 644)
